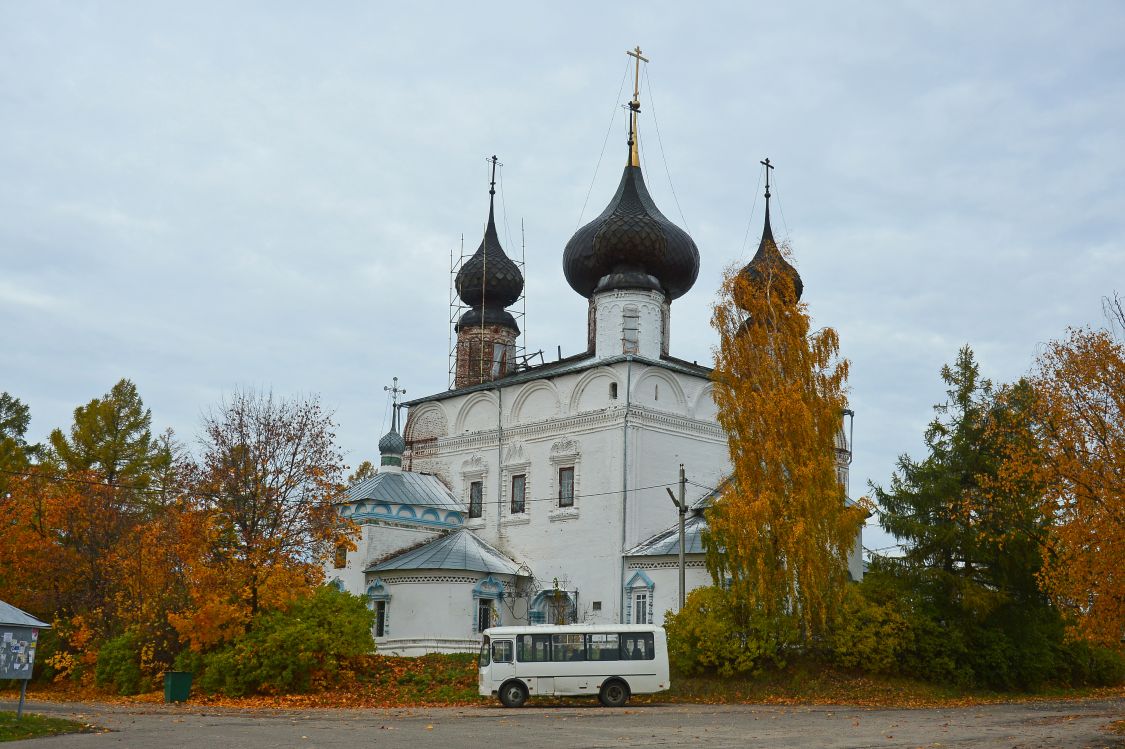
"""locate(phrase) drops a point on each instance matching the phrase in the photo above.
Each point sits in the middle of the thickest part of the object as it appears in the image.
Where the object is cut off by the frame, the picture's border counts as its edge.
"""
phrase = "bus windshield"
(485, 653)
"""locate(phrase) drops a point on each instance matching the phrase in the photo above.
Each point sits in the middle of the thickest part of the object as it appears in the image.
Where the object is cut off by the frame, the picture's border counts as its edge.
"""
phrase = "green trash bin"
(177, 686)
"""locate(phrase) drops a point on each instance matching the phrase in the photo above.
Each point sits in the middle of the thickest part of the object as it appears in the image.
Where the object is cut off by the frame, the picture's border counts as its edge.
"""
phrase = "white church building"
(539, 494)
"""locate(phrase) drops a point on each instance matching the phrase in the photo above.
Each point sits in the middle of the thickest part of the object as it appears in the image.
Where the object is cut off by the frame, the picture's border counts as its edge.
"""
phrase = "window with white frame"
(519, 494)
(640, 608)
(476, 499)
(566, 486)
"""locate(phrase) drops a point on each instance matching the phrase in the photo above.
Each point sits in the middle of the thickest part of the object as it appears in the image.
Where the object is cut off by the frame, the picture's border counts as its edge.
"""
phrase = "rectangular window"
(484, 614)
(630, 331)
(502, 651)
(519, 492)
(341, 560)
(568, 648)
(603, 647)
(566, 487)
(637, 646)
(640, 608)
(533, 648)
(380, 618)
(476, 499)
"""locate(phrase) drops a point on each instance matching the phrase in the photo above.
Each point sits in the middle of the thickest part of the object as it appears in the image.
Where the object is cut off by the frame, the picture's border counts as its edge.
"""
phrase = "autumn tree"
(15, 454)
(268, 475)
(781, 531)
(969, 518)
(364, 471)
(1080, 383)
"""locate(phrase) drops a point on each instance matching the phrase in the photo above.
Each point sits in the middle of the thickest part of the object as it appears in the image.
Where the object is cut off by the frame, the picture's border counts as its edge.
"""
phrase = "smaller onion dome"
(489, 281)
(768, 259)
(392, 443)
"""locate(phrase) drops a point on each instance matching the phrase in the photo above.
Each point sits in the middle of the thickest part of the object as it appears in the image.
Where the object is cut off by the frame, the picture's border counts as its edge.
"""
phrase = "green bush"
(284, 650)
(716, 632)
(869, 635)
(119, 665)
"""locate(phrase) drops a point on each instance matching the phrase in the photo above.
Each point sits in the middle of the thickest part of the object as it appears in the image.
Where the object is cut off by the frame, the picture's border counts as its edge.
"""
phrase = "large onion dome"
(489, 281)
(768, 260)
(631, 245)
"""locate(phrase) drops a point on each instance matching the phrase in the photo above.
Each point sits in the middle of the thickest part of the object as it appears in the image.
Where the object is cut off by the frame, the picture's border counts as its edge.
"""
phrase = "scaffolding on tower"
(457, 308)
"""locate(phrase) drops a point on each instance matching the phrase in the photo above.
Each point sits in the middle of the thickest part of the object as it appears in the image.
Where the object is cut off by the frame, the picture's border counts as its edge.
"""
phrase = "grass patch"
(33, 726)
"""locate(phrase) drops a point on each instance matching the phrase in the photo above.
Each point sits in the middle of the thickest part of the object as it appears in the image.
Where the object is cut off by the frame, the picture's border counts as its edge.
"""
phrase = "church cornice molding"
(578, 424)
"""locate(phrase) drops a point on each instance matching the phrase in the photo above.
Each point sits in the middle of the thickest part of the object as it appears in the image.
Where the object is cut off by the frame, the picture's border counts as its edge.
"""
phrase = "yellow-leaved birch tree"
(780, 531)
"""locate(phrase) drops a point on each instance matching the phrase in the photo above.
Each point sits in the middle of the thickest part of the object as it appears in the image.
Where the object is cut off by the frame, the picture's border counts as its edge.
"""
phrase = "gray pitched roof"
(569, 365)
(405, 488)
(12, 616)
(667, 542)
(460, 550)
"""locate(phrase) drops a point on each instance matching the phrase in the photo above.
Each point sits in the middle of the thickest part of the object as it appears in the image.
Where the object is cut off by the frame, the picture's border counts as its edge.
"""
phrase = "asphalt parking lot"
(1038, 724)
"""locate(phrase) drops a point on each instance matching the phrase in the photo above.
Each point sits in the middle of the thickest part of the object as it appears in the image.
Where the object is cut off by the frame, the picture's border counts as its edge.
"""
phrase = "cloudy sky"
(203, 196)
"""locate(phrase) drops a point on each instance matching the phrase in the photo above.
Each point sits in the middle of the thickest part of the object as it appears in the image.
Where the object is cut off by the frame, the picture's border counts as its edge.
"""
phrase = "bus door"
(503, 667)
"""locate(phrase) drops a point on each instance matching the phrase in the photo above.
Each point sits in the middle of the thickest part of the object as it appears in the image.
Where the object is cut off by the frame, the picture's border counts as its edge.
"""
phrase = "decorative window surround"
(377, 591)
(475, 469)
(488, 589)
(516, 462)
(565, 453)
(638, 583)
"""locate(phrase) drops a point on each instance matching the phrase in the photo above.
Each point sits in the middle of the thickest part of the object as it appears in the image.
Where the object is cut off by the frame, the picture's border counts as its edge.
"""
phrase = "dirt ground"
(1034, 724)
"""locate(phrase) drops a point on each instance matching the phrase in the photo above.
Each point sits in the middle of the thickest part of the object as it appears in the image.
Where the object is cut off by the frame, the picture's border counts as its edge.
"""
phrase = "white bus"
(609, 660)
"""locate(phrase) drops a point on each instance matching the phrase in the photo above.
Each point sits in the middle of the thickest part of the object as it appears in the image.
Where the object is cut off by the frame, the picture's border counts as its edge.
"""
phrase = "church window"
(597, 605)
(613, 391)
(380, 618)
(485, 614)
(519, 492)
(341, 560)
(566, 486)
(640, 608)
(630, 330)
(476, 499)
(656, 392)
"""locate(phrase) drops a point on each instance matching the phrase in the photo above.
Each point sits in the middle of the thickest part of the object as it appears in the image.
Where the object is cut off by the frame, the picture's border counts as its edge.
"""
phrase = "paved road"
(1051, 724)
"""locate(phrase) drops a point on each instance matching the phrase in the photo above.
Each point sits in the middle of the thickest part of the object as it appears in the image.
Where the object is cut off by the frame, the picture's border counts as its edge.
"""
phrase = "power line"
(663, 155)
(609, 130)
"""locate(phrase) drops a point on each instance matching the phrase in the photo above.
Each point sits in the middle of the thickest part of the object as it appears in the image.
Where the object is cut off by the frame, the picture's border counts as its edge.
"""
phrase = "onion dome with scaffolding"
(489, 280)
(631, 245)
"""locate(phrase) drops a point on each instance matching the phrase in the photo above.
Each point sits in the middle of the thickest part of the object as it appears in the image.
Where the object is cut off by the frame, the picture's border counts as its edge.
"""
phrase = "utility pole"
(681, 506)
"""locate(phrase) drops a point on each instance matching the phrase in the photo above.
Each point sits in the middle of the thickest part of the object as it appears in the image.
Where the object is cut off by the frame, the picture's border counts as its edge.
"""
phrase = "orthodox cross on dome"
(395, 392)
(492, 184)
(768, 166)
(635, 105)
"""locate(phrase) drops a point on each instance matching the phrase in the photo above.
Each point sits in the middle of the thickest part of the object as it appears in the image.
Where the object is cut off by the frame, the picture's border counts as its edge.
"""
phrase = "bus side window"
(603, 647)
(502, 651)
(534, 648)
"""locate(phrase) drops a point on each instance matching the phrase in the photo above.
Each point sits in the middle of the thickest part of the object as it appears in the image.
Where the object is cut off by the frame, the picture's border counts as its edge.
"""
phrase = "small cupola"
(392, 446)
(768, 260)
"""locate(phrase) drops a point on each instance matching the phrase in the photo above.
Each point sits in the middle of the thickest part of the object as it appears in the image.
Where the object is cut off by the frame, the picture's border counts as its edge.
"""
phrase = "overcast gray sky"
(204, 196)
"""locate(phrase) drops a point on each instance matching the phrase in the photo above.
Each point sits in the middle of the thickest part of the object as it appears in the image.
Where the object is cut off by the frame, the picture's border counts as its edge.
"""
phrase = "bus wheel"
(513, 694)
(614, 693)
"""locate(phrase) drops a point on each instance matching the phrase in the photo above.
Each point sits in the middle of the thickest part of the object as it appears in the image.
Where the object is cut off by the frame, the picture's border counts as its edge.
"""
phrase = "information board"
(17, 651)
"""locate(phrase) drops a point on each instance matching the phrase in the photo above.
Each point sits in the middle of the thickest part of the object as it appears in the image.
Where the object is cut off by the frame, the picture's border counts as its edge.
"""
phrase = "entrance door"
(503, 667)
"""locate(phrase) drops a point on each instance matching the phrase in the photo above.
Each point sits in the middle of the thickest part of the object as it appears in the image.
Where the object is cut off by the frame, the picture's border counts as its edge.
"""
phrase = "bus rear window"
(637, 646)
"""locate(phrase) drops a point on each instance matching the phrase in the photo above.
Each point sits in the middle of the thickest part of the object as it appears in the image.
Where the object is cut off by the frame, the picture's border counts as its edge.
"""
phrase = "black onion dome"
(769, 258)
(489, 281)
(631, 245)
